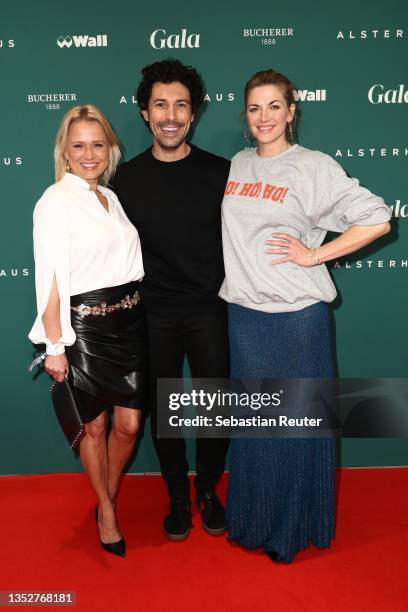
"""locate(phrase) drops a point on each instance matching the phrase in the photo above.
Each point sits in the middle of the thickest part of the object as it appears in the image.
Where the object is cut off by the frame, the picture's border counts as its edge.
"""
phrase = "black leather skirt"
(108, 361)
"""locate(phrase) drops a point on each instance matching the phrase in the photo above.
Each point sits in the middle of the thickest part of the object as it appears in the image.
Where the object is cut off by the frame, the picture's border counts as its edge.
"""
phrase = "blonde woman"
(88, 267)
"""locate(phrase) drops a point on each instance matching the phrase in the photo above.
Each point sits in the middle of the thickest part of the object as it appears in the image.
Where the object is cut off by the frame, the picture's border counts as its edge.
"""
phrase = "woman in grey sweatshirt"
(280, 201)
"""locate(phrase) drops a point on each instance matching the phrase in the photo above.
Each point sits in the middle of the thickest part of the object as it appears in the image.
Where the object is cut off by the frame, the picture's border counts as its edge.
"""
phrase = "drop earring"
(291, 132)
(248, 136)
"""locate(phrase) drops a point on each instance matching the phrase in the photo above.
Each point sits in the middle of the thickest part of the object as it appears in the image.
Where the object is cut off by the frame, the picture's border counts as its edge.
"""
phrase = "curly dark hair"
(169, 71)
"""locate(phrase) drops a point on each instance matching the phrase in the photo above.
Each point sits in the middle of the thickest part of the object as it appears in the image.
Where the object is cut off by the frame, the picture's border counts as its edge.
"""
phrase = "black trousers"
(201, 335)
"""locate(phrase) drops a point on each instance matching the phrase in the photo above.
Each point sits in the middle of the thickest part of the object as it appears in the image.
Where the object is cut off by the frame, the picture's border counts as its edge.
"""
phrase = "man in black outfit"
(172, 192)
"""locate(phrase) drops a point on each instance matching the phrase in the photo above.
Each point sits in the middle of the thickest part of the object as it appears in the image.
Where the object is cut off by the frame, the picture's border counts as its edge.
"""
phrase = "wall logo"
(306, 95)
(377, 95)
(399, 211)
(267, 36)
(82, 40)
(11, 161)
(6, 44)
(369, 34)
(160, 40)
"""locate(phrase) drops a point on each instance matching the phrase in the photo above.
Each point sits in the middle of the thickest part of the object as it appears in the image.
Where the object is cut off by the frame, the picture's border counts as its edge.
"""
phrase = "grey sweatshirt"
(303, 193)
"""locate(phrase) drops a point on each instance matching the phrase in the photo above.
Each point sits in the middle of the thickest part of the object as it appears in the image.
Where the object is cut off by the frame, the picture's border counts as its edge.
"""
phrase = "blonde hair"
(87, 112)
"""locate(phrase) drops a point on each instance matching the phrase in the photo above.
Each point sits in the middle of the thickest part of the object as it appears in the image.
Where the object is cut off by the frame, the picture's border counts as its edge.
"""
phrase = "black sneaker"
(212, 513)
(177, 523)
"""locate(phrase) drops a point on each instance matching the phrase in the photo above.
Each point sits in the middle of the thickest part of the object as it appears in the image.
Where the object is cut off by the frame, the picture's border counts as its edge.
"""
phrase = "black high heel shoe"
(116, 548)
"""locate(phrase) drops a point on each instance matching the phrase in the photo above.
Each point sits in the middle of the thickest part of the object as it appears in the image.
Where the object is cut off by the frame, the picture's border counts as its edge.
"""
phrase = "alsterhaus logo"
(378, 94)
(82, 40)
(370, 264)
(7, 160)
(391, 33)
(14, 272)
(310, 95)
(378, 151)
(6, 44)
(218, 96)
(268, 35)
(181, 40)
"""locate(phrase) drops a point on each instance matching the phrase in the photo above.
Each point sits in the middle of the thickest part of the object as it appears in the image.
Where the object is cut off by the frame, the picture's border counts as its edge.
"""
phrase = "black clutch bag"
(66, 410)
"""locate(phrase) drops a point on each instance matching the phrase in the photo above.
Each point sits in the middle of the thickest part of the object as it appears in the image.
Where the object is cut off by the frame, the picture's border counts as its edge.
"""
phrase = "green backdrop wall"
(349, 61)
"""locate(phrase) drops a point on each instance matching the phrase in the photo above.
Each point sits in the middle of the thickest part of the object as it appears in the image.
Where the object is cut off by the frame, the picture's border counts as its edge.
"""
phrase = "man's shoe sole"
(177, 537)
(218, 531)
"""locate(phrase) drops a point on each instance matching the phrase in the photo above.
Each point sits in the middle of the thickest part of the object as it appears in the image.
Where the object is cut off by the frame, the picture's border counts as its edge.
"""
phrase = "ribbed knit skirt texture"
(281, 490)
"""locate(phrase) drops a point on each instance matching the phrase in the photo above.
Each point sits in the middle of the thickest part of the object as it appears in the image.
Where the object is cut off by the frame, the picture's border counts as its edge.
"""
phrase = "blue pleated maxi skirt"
(281, 490)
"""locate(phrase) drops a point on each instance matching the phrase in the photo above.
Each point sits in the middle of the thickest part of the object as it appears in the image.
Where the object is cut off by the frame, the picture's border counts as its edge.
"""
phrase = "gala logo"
(377, 95)
(158, 40)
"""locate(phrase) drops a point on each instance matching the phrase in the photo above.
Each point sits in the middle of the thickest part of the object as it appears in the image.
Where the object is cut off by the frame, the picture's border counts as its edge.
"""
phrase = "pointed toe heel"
(117, 548)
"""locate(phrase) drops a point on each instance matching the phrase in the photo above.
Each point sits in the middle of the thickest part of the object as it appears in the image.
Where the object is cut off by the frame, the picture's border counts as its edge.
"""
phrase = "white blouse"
(86, 247)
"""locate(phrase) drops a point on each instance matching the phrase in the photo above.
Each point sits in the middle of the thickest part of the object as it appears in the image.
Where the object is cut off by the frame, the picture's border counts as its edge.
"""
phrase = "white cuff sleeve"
(55, 349)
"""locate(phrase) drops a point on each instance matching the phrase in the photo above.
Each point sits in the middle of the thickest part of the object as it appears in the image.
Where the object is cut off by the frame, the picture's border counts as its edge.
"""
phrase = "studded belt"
(103, 308)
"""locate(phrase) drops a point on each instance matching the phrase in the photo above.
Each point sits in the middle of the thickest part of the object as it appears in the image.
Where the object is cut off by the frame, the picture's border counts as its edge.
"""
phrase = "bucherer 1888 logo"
(268, 35)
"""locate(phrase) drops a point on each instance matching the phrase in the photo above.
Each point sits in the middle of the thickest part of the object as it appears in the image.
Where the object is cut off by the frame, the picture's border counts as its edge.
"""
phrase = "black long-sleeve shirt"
(176, 208)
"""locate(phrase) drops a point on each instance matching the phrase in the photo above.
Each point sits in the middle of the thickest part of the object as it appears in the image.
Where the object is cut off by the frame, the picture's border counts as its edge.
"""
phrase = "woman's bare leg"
(121, 442)
(94, 457)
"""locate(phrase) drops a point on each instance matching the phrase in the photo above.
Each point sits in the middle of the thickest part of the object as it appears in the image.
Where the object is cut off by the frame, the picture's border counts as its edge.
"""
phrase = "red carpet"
(49, 543)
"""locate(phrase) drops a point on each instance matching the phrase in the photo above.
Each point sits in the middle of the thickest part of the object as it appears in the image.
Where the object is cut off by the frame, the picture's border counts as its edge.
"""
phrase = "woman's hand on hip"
(56, 366)
(292, 249)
